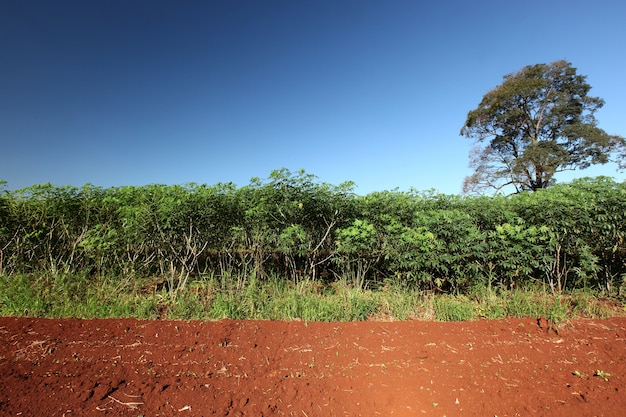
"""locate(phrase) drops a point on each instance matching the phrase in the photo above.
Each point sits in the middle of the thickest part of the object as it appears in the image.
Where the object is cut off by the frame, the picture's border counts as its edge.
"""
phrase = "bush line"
(566, 238)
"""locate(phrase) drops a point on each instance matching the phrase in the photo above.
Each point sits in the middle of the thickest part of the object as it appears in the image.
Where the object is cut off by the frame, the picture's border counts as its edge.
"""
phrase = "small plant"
(602, 374)
(579, 374)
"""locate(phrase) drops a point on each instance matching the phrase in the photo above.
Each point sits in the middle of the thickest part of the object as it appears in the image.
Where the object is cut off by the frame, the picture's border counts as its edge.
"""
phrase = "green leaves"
(569, 236)
(358, 238)
(517, 252)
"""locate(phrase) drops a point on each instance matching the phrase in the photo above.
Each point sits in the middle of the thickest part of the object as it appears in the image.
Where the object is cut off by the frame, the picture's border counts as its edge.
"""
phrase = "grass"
(38, 295)
(213, 298)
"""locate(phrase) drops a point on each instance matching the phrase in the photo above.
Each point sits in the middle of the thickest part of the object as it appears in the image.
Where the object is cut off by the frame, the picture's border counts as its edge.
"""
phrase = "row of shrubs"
(569, 236)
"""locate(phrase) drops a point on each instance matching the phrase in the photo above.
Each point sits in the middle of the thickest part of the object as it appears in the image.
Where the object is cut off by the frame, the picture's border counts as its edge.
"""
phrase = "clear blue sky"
(125, 92)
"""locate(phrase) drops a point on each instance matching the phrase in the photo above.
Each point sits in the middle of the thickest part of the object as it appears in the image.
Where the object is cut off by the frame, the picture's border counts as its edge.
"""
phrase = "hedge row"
(291, 225)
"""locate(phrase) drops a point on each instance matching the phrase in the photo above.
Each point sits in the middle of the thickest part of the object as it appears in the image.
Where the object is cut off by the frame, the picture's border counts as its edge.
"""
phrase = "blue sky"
(138, 92)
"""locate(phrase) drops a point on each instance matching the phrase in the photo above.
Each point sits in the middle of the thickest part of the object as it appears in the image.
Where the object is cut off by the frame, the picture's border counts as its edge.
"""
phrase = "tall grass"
(36, 295)
(213, 298)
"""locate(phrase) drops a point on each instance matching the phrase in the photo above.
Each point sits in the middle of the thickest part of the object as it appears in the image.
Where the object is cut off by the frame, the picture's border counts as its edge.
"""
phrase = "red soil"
(258, 368)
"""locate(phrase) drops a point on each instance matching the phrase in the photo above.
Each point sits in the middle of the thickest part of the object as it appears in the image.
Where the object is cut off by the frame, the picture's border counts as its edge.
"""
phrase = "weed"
(602, 374)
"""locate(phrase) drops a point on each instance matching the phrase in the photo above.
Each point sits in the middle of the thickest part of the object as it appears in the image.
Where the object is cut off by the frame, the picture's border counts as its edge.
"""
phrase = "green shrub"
(290, 228)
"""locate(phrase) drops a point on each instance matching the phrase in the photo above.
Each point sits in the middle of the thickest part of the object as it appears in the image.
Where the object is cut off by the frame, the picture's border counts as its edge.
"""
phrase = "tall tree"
(538, 122)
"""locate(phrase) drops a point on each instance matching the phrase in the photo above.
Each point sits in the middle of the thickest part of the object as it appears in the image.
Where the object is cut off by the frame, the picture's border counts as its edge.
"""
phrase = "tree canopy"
(538, 122)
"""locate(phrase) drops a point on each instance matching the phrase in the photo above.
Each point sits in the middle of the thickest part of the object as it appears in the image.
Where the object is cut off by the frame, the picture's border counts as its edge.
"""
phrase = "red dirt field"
(516, 367)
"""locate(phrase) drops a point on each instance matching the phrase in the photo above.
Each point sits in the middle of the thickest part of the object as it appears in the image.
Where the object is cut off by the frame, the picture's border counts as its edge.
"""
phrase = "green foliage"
(538, 122)
(585, 220)
(356, 250)
(515, 252)
(568, 237)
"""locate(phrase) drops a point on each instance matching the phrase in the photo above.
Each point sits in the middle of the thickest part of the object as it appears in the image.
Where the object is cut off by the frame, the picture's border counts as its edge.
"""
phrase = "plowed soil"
(521, 367)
